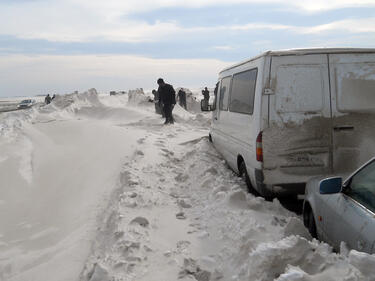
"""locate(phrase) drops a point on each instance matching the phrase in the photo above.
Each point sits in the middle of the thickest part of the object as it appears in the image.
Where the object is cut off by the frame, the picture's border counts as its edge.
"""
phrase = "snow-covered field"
(96, 188)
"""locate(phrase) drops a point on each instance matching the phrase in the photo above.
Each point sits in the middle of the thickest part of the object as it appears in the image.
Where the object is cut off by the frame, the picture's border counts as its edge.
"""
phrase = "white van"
(285, 116)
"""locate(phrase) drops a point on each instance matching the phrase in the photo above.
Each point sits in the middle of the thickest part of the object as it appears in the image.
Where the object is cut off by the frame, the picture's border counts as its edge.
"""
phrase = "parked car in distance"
(335, 210)
(26, 104)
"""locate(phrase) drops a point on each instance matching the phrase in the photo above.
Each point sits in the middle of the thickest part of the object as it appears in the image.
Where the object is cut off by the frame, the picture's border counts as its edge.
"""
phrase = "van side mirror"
(330, 185)
(205, 106)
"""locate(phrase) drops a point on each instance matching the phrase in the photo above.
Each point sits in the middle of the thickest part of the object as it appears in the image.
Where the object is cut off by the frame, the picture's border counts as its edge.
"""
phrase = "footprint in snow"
(181, 177)
(182, 246)
(181, 216)
(159, 144)
(183, 204)
(139, 153)
(141, 221)
(166, 150)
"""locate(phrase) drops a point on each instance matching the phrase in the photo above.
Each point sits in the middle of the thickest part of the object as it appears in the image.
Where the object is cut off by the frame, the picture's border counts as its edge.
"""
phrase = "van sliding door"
(297, 143)
(353, 108)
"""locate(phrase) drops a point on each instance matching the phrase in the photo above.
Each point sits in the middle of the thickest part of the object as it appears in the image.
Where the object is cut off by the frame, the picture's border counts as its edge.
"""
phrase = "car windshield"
(362, 186)
(26, 101)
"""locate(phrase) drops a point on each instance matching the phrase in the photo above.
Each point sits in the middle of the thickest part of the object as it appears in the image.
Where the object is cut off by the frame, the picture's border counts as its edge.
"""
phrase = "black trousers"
(168, 113)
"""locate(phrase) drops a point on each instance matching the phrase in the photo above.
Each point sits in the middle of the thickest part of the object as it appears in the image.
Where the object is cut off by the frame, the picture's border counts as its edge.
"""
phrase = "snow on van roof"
(304, 51)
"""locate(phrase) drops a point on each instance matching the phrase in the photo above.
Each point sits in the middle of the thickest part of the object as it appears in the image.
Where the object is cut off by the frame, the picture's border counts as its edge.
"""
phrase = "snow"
(94, 187)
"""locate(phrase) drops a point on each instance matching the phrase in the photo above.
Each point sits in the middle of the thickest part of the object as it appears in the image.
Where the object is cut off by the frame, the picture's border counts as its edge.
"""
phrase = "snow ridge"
(187, 217)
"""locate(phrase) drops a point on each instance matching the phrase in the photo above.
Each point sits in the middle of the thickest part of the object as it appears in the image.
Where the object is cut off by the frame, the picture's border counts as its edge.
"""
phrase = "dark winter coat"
(206, 94)
(181, 95)
(167, 94)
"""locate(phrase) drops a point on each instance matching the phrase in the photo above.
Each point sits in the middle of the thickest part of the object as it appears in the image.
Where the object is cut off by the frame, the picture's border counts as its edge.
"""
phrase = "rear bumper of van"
(277, 188)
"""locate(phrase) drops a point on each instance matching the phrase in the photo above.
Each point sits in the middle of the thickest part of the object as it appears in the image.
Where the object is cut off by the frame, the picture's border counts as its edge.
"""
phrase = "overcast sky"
(61, 46)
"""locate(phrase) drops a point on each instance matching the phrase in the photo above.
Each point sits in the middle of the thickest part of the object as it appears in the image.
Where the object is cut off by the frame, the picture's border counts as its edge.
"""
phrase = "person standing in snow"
(206, 97)
(47, 99)
(182, 98)
(168, 98)
(206, 94)
(158, 104)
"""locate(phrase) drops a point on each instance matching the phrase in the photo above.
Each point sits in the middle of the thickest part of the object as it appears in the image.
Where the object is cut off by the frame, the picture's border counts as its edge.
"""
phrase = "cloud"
(224, 48)
(97, 20)
(349, 25)
(64, 74)
(146, 5)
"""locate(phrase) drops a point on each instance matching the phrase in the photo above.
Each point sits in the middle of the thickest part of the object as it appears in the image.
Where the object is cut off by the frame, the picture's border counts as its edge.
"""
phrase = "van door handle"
(215, 118)
(343, 128)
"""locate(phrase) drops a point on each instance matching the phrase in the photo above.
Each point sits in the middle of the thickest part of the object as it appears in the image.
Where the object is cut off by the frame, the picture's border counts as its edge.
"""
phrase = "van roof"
(307, 51)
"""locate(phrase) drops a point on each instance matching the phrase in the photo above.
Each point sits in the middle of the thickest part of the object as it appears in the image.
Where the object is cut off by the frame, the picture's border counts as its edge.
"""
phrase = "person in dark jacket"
(206, 94)
(206, 97)
(48, 99)
(182, 98)
(157, 102)
(168, 98)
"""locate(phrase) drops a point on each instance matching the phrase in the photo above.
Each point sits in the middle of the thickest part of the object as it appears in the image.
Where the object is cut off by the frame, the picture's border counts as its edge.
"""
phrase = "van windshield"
(224, 93)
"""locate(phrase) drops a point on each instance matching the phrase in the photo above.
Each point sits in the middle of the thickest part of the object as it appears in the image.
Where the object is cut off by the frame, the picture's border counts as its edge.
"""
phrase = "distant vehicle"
(114, 93)
(334, 211)
(285, 116)
(26, 104)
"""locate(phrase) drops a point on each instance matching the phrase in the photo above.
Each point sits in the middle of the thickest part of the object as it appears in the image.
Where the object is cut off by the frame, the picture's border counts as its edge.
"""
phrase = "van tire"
(311, 224)
(209, 137)
(243, 174)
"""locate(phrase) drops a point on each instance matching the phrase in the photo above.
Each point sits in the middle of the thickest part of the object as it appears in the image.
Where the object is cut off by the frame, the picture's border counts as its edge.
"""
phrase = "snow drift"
(96, 188)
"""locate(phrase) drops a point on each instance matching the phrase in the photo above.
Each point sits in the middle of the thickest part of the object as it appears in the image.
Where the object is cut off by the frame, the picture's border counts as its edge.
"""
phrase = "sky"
(59, 46)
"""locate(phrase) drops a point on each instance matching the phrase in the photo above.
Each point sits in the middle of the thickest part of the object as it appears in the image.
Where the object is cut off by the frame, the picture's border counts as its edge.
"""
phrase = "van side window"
(243, 91)
(224, 93)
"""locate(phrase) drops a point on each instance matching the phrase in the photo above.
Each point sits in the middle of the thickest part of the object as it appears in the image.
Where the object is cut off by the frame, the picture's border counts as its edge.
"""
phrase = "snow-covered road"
(98, 189)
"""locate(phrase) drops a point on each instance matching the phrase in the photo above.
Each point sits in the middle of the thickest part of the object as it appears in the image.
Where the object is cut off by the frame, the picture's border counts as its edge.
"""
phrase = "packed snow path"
(115, 195)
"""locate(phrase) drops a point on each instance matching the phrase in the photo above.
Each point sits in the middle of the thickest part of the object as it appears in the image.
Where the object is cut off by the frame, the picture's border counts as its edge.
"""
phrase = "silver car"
(336, 211)
(26, 104)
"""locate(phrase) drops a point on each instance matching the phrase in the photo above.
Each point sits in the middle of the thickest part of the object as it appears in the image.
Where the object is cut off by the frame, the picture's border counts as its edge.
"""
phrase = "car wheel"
(311, 225)
(245, 177)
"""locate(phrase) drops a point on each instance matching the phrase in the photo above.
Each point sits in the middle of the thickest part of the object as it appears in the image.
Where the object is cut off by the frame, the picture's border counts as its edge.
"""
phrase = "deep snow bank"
(57, 170)
(192, 100)
(137, 97)
(183, 215)
(63, 106)
(252, 239)
(176, 211)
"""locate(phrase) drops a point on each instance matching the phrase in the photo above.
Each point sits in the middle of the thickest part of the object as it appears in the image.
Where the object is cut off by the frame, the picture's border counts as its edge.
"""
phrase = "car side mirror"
(330, 185)
(205, 106)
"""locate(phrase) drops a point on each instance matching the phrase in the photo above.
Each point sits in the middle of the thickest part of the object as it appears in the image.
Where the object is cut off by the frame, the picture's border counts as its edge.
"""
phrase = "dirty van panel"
(297, 142)
(295, 152)
(353, 109)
